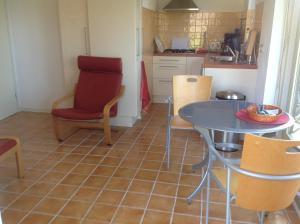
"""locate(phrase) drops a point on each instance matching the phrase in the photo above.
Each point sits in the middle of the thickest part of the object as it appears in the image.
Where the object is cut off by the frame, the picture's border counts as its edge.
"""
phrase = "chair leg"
(56, 129)
(261, 217)
(168, 144)
(19, 162)
(228, 197)
(207, 198)
(107, 132)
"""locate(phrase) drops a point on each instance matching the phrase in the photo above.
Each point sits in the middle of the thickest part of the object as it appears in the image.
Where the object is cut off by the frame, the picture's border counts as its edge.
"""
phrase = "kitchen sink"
(223, 58)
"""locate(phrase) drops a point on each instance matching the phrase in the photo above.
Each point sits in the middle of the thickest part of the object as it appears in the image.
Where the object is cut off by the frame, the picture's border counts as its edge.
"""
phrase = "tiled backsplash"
(203, 28)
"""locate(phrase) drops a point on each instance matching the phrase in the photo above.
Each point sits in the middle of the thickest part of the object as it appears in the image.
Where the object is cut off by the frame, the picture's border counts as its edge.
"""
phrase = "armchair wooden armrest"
(106, 115)
(110, 104)
(57, 102)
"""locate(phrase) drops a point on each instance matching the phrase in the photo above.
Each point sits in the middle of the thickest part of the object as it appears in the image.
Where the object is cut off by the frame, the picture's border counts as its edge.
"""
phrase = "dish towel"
(145, 94)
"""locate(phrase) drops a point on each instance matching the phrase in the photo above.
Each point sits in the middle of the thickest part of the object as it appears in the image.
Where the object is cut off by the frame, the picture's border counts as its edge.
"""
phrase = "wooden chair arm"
(10, 137)
(57, 102)
(64, 98)
(108, 106)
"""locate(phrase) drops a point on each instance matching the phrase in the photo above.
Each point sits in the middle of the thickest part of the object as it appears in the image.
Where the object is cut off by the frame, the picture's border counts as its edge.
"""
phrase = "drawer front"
(169, 60)
(167, 71)
(162, 87)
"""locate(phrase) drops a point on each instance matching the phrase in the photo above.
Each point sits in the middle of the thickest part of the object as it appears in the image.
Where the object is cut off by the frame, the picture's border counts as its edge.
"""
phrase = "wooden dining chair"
(96, 95)
(186, 89)
(10, 146)
(267, 179)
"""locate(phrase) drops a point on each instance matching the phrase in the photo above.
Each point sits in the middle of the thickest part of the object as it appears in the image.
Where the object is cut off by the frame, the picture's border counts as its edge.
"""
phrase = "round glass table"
(220, 115)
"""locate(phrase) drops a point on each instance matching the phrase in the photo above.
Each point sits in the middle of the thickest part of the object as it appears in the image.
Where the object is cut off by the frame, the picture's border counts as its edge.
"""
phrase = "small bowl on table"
(260, 113)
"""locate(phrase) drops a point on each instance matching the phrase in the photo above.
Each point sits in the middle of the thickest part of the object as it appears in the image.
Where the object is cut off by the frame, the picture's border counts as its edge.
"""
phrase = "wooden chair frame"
(16, 150)
(101, 123)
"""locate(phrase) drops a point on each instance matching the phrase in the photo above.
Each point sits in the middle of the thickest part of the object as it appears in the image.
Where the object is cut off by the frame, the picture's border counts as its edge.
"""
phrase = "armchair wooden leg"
(19, 162)
(107, 131)
(56, 129)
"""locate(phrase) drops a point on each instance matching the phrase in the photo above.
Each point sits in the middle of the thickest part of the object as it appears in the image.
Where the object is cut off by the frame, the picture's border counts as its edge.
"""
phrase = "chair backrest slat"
(190, 89)
(268, 156)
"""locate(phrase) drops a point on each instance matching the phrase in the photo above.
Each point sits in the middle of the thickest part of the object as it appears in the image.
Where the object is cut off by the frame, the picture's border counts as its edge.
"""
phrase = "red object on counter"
(243, 115)
(145, 94)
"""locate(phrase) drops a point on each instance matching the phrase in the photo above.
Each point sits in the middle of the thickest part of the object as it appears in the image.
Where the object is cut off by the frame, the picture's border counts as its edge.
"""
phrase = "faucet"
(235, 53)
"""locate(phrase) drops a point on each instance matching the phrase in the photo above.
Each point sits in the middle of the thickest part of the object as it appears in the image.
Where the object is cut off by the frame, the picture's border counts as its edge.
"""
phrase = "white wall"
(37, 52)
(112, 26)
(8, 101)
(214, 5)
(270, 50)
(150, 4)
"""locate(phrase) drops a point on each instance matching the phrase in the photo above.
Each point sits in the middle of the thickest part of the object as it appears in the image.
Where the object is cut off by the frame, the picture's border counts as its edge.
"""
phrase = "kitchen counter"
(212, 63)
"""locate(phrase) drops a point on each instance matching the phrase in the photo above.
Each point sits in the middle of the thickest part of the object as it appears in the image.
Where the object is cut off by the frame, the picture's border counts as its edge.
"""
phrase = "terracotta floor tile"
(111, 161)
(136, 200)
(104, 170)
(191, 180)
(125, 172)
(110, 197)
(165, 189)
(63, 191)
(128, 215)
(157, 218)
(92, 159)
(75, 209)
(179, 219)
(183, 207)
(53, 177)
(146, 175)
(84, 169)
(10, 216)
(64, 220)
(19, 186)
(50, 205)
(86, 194)
(74, 179)
(25, 202)
(40, 189)
(168, 177)
(101, 212)
(37, 218)
(96, 181)
(6, 198)
(141, 186)
(73, 158)
(161, 203)
(151, 165)
(116, 183)
(63, 167)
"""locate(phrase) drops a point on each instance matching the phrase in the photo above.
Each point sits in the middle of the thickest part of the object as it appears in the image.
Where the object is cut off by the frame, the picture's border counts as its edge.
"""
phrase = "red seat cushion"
(78, 114)
(99, 82)
(6, 145)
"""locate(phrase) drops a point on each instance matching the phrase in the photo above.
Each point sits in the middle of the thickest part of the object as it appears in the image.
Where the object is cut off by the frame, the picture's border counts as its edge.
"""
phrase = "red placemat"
(243, 115)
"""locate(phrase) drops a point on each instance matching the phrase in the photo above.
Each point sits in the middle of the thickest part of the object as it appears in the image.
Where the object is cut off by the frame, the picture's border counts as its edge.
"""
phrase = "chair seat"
(178, 123)
(76, 114)
(6, 145)
(221, 175)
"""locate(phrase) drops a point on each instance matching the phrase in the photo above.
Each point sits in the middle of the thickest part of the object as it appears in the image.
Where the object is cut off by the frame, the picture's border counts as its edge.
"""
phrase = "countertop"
(209, 62)
(212, 63)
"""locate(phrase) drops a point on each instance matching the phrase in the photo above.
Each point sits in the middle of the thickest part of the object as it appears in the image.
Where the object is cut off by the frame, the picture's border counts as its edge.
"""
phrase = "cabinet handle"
(164, 81)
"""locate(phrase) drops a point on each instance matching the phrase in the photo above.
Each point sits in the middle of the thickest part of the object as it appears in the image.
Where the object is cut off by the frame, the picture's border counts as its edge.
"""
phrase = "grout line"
(133, 178)
(103, 188)
(178, 182)
(67, 173)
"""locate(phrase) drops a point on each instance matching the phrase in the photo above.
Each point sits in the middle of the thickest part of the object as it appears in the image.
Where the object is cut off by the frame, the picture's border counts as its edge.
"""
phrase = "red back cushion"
(99, 81)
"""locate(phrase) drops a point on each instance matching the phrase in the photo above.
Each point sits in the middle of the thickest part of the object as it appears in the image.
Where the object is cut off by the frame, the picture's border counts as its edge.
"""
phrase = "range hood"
(181, 5)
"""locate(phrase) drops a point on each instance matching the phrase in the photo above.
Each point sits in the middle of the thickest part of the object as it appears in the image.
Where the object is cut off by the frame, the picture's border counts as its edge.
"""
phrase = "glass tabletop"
(220, 115)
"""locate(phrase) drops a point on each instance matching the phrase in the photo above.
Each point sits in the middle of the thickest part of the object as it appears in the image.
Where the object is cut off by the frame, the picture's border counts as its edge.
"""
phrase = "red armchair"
(95, 96)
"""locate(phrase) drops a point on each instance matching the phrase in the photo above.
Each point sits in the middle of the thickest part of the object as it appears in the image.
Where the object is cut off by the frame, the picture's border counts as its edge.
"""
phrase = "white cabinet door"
(74, 37)
(8, 102)
(194, 65)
